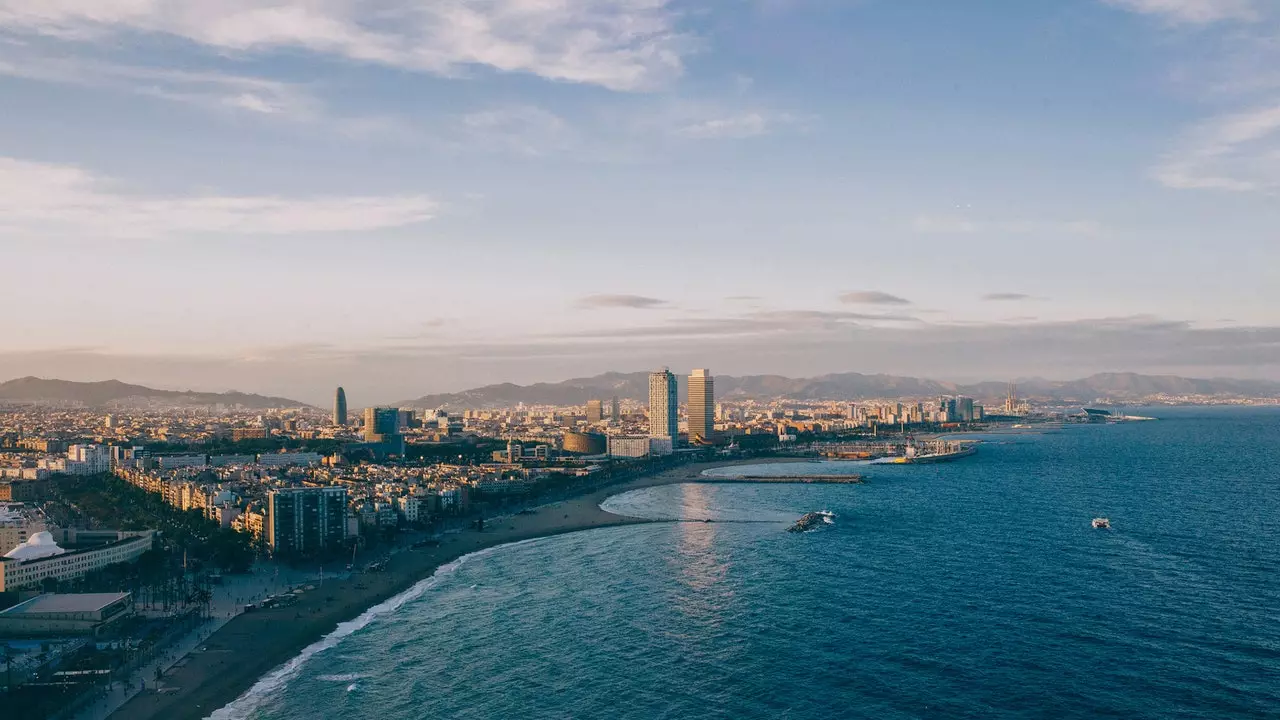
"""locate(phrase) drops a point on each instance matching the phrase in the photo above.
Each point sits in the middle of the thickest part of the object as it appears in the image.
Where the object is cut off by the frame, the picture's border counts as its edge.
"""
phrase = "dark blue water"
(972, 589)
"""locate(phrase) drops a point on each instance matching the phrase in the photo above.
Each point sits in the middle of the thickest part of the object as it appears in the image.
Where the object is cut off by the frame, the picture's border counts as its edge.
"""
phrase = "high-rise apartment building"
(305, 521)
(702, 406)
(664, 413)
(595, 411)
(340, 407)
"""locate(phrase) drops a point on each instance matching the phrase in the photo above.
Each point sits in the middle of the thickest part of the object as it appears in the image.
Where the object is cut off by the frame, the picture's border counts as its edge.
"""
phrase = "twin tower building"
(664, 406)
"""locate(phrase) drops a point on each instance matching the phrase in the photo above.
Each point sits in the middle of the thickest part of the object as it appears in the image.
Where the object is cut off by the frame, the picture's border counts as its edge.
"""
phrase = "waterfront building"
(595, 411)
(340, 407)
(41, 557)
(702, 406)
(65, 614)
(664, 416)
(304, 521)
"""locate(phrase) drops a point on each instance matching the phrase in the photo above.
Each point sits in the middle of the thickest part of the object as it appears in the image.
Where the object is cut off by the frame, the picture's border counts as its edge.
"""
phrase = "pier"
(789, 479)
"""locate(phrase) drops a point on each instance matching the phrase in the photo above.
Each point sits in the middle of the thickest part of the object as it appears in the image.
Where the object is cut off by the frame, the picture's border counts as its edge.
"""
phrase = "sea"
(972, 589)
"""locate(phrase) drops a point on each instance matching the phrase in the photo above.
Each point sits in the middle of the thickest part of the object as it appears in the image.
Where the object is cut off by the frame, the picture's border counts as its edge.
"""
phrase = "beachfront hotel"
(702, 406)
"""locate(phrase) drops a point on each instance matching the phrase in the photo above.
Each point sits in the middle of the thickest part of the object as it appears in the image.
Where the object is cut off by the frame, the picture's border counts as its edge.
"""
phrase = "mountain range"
(113, 393)
(853, 386)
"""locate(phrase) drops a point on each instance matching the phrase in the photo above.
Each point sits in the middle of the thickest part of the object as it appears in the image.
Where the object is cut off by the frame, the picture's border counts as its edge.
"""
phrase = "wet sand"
(253, 644)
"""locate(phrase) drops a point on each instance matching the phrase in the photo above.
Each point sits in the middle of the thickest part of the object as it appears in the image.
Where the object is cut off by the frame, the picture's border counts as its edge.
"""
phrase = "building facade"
(702, 406)
(664, 413)
(305, 521)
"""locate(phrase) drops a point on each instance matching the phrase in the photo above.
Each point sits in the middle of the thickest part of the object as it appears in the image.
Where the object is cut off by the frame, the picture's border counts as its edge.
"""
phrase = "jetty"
(787, 479)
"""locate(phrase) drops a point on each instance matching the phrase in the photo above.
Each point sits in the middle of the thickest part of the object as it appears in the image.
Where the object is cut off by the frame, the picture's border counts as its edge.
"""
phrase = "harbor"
(908, 452)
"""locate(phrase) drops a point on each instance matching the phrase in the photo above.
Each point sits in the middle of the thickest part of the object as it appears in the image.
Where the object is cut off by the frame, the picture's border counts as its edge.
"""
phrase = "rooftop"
(64, 603)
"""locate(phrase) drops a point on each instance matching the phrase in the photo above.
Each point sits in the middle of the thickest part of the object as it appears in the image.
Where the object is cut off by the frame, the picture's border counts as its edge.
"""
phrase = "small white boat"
(1101, 524)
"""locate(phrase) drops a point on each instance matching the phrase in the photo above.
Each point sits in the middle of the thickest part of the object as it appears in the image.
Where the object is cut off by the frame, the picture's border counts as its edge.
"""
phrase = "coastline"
(253, 645)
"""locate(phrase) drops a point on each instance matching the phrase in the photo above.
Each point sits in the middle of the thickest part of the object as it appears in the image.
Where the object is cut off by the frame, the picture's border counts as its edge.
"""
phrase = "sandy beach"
(253, 644)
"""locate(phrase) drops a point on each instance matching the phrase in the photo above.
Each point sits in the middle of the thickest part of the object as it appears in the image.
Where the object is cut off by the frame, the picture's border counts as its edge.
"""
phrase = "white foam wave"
(344, 677)
(352, 687)
(243, 707)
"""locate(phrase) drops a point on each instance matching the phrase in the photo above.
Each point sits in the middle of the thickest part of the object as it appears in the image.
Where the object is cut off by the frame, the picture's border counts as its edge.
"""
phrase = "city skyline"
(1054, 190)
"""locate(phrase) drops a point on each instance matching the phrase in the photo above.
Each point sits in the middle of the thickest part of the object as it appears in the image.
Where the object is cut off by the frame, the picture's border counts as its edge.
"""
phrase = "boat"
(1101, 524)
(810, 521)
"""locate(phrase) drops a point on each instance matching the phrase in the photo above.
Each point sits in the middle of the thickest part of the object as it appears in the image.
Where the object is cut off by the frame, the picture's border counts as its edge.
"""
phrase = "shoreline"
(254, 645)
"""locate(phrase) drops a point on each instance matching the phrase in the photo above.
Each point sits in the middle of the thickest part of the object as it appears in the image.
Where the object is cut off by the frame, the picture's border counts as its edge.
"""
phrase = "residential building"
(305, 521)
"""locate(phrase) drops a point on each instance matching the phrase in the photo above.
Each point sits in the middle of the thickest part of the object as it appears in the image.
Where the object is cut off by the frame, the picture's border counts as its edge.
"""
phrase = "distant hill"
(112, 393)
(851, 386)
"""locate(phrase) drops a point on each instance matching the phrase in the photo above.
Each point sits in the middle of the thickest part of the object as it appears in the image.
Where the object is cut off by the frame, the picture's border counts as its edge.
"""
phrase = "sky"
(414, 196)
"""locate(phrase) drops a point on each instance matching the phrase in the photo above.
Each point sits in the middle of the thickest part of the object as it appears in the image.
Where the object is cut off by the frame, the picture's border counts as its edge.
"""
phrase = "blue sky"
(406, 196)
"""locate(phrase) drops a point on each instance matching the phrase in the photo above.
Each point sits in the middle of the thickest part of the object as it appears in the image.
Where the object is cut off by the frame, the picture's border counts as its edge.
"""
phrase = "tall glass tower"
(340, 407)
(664, 413)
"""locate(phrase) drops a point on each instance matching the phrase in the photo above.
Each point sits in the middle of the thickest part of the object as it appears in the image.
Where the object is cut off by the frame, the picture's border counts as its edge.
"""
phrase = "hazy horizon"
(327, 398)
(281, 197)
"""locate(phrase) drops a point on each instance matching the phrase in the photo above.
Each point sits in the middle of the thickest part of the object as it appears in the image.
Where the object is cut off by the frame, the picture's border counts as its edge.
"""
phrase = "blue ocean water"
(970, 589)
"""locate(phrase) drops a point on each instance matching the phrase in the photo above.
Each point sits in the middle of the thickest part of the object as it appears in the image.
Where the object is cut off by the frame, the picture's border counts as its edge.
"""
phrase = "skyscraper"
(702, 406)
(664, 417)
(595, 411)
(615, 410)
(340, 407)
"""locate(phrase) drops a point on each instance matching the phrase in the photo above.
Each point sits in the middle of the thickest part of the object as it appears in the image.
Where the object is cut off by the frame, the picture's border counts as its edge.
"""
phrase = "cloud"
(1237, 153)
(1192, 12)
(638, 302)
(872, 297)
(1005, 297)
(965, 225)
(39, 199)
(519, 129)
(623, 45)
(737, 127)
(209, 89)
(742, 298)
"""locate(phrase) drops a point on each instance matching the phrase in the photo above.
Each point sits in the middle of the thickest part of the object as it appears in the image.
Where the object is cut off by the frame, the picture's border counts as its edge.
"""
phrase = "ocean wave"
(344, 677)
(243, 707)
